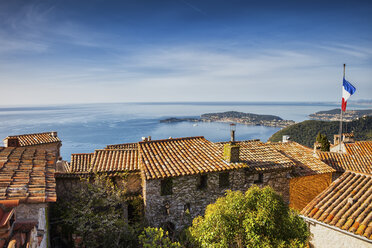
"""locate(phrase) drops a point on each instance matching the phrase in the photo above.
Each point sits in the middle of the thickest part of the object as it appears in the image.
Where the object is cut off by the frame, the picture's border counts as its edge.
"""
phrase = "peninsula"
(334, 115)
(236, 117)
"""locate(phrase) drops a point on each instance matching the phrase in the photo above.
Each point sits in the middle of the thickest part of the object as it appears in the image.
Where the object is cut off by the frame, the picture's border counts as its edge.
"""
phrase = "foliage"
(95, 212)
(306, 131)
(153, 237)
(323, 140)
(258, 218)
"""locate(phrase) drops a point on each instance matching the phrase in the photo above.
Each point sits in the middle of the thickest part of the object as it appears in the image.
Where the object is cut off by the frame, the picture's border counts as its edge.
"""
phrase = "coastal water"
(85, 127)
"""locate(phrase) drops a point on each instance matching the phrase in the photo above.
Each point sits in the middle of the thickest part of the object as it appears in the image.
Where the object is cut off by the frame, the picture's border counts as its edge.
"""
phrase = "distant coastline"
(235, 117)
(334, 115)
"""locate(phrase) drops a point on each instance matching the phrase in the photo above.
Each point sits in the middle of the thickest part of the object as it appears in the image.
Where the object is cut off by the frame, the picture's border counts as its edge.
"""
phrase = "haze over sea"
(85, 127)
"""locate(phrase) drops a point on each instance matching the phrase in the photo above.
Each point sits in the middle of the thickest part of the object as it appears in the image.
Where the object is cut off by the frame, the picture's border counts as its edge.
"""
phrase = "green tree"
(153, 237)
(323, 140)
(95, 212)
(258, 218)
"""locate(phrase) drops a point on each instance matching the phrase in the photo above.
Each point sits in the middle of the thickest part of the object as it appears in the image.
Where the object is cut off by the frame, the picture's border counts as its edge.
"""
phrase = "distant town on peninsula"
(236, 117)
(334, 115)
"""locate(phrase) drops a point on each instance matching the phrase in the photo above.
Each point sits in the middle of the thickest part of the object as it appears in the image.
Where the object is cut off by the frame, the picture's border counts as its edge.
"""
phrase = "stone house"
(120, 164)
(341, 216)
(178, 178)
(27, 185)
(182, 176)
(47, 141)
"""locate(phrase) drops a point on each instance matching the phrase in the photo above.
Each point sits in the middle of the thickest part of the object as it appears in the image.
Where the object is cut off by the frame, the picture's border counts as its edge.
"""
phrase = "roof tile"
(346, 204)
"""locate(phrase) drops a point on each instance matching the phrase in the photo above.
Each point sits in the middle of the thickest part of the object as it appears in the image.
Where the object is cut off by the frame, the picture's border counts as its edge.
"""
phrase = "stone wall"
(65, 185)
(34, 213)
(29, 212)
(304, 189)
(187, 201)
(324, 237)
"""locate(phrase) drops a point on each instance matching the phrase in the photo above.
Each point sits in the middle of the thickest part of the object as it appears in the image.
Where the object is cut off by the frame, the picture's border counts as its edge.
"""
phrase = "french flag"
(347, 90)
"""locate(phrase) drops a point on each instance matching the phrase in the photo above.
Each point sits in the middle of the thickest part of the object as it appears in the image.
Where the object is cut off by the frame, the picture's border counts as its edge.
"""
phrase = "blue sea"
(85, 127)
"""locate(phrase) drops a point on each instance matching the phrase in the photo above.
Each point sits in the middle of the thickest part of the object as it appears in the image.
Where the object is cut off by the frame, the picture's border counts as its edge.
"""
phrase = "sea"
(86, 127)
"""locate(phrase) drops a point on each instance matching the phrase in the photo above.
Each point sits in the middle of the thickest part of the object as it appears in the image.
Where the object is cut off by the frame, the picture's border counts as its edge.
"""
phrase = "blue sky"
(56, 52)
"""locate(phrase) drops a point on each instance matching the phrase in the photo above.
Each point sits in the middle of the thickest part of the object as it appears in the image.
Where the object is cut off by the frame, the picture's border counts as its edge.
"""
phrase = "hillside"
(305, 132)
(240, 115)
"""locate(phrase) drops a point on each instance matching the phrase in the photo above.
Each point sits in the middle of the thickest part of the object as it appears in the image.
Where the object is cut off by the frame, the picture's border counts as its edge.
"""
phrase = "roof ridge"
(171, 139)
(26, 134)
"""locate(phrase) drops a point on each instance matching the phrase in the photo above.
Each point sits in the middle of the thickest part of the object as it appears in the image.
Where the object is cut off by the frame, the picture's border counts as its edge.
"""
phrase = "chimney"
(286, 138)
(232, 132)
(231, 150)
(54, 134)
(149, 138)
(336, 139)
(11, 142)
(317, 147)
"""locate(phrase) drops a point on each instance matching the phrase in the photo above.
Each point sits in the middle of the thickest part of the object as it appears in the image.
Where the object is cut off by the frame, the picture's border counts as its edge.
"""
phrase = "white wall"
(328, 238)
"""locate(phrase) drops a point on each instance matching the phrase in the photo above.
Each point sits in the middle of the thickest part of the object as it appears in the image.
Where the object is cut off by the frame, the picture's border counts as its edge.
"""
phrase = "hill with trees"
(306, 132)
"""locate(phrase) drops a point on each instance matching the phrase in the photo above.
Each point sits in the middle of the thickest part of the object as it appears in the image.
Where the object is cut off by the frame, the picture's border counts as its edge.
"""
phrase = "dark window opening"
(186, 208)
(166, 186)
(224, 180)
(202, 182)
(259, 178)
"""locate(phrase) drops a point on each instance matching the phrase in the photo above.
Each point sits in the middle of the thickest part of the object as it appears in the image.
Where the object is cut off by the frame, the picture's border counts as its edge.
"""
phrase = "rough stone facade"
(65, 185)
(324, 237)
(35, 213)
(306, 188)
(188, 201)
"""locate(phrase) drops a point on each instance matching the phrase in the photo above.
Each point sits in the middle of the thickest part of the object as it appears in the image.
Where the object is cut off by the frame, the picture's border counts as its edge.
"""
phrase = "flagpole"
(340, 132)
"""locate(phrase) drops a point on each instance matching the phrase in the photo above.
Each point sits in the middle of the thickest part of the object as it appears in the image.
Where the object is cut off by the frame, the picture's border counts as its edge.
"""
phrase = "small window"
(224, 180)
(202, 182)
(186, 208)
(258, 178)
(166, 186)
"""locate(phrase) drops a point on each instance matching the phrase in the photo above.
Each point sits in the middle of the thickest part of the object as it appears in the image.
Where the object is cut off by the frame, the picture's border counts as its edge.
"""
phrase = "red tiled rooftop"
(115, 160)
(303, 157)
(180, 157)
(27, 174)
(346, 204)
(81, 162)
(35, 138)
(358, 157)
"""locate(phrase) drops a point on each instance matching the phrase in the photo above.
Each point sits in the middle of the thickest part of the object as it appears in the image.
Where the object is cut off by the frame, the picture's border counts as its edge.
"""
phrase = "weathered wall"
(304, 189)
(29, 212)
(50, 147)
(324, 237)
(34, 212)
(185, 193)
(66, 185)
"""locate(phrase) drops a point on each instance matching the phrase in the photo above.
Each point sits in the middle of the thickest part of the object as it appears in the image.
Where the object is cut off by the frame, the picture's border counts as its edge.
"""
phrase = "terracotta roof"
(81, 162)
(180, 157)
(27, 174)
(306, 163)
(358, 157)
(114, 160)
(123, 146)
(36, 138)
(259, 156)
(346, 204)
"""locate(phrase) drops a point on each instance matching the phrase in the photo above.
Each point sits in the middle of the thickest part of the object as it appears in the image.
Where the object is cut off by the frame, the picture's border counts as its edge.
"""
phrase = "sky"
(61, 52)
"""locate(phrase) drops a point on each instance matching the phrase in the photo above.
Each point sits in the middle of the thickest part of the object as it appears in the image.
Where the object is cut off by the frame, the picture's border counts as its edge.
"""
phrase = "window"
(224, 180)
(166, 186)
(202, 182)
(258, 178)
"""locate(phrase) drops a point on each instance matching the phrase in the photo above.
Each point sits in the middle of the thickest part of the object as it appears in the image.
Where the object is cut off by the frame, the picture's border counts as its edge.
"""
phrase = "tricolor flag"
(347, 90)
